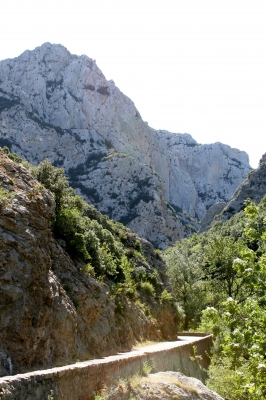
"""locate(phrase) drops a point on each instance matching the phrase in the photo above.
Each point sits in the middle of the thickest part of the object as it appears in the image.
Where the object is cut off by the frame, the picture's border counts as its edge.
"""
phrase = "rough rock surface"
(253, 187)
(214, 210)
(58, 105)
(51, 313)
(164, 385)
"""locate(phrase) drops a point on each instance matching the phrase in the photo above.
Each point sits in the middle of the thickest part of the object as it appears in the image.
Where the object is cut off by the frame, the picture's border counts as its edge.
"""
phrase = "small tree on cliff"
(53, 179)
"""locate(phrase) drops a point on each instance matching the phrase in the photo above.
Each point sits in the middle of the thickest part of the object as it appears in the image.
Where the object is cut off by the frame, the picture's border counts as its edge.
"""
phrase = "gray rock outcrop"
(214, 210)
(165, 385)
(253, 188)
(57, 105)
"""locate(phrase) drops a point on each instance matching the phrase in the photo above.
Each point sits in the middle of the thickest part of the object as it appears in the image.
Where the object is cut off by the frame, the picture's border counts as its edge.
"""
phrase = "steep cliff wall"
(57, 105)
(52, 313)
(253, 187)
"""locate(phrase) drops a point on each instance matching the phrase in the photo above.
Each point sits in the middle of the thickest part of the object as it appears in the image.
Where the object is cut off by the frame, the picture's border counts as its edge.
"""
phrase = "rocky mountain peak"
(60, 106)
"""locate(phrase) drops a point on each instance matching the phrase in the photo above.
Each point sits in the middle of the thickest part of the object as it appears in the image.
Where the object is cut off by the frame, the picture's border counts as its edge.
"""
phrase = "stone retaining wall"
(82, 380)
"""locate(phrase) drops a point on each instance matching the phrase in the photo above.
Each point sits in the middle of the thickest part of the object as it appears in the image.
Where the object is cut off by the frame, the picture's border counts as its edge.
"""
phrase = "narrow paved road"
(154, 348)
(169, 345)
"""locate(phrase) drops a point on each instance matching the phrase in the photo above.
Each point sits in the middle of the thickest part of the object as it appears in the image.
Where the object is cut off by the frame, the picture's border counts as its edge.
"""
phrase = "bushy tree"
(53, 179)
(186, 277)
(238, 369)
(219, 256)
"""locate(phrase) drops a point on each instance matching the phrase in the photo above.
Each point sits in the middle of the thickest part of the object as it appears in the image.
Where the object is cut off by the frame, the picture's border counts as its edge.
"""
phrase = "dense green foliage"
(102, 248)
(222, 273)
(186, 278)
(111, 253)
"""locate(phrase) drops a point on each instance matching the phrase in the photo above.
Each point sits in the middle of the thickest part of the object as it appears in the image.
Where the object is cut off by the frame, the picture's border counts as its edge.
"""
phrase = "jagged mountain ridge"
(58, 105)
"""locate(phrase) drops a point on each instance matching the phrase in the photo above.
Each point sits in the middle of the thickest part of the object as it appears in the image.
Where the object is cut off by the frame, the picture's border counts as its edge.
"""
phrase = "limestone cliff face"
(51, 312)
(58, 105)
(253, 187)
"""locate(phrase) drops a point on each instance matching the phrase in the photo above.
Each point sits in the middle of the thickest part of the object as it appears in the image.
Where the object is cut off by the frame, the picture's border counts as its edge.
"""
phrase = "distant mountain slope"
(58, 105)
(253, 188)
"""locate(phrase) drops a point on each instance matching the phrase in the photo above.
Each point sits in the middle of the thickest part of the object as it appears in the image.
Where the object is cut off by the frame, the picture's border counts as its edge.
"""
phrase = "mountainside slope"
(253, 188)
(52, 311)
(57, 105)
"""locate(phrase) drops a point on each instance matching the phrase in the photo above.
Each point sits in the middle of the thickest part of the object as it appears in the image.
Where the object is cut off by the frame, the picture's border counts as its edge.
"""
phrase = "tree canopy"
(228, 263)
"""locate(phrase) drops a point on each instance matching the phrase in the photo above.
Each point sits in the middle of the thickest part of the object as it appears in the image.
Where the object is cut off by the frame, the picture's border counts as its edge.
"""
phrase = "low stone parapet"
(80, 381)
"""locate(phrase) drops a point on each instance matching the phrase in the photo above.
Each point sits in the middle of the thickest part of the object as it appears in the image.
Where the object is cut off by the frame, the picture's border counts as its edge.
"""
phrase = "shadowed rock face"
(253, 187)
(214, 210)
(58, 105)
(51, 313)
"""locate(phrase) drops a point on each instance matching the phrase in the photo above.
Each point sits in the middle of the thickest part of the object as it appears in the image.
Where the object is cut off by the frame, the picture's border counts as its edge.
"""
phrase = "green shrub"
(5, 197)
(166, 297)
(13, 156)
(137, 245)
(148, 288)
(158, 254)
(144, 307)
(50, 396)
(53, 179)
(132, 293)
(130, 252)
(88, 269)
(108, 261)
(147, 367)
(122, 235)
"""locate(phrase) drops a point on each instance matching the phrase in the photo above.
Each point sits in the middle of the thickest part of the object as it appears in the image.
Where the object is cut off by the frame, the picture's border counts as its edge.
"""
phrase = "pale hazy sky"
(195, 66)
